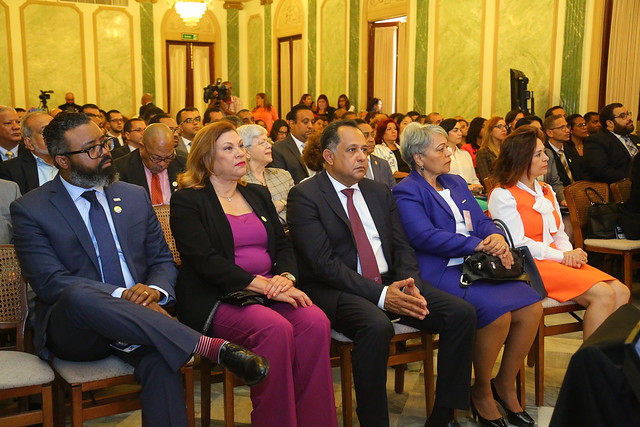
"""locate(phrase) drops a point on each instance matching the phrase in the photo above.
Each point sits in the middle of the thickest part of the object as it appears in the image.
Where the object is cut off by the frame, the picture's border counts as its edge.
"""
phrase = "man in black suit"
(33, 168)
(608, 153)
(94, 253)
(133, 130)
(70, 105)
(568, 161)
(357, 265)
(287, 154)
(378, 169)
(10, 134)
(154, 165)
(147, 102)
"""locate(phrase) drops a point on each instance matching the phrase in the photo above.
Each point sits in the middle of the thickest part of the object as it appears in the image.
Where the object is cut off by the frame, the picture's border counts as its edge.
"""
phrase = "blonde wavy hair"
(487, 140)
(202, 155)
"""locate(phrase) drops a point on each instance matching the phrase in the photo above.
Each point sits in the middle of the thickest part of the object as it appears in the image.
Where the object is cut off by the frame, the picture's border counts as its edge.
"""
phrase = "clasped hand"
(495, 245)
(575, 258)
(280, 289)
(403, 297)
(144, 295)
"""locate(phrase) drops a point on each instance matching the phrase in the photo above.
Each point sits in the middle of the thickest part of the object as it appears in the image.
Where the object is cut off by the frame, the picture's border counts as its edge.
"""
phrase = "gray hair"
(249, 133)
(4, 108)
(416, 139)
(27, 132)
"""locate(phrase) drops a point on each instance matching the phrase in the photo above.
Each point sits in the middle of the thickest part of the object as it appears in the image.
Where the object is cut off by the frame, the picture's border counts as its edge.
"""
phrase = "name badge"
(467, 220)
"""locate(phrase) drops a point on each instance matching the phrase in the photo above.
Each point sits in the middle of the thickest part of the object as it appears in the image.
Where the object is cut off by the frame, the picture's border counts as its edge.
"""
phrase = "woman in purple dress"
(230, 239)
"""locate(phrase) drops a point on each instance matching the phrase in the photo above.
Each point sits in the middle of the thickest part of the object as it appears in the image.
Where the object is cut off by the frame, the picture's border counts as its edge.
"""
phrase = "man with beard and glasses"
(609, 153)
(94, 252)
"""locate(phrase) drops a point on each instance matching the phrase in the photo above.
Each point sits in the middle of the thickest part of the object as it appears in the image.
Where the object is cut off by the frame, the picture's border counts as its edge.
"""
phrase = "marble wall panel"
(268, 43)
(458, 59)
(333, 41)
(354, 52)
(6, 97)
(572, 55)
(233, 48)
(53, 63)
(114, 61)
(312, 40)
(420, 68)
(256, 59)
(147, 48)
(525, 43)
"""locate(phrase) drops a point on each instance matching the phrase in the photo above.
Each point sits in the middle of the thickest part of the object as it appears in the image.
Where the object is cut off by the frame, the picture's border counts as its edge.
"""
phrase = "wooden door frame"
(290, 40)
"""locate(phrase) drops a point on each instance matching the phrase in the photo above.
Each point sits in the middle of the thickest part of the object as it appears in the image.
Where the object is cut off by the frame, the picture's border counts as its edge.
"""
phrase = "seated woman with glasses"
(578, 128)
(495, 131)
(279, 131)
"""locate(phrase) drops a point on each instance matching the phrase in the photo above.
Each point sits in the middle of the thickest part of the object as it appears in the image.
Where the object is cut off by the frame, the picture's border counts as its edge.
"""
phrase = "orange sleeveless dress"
(561, 282)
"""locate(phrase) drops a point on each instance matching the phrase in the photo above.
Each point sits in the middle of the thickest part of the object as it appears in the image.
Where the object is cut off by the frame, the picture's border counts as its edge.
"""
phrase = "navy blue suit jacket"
(55, 249)
(430, 226)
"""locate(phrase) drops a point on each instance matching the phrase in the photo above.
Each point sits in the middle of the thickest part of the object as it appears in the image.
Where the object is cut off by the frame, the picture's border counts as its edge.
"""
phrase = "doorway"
(290, 68)
(189, 70)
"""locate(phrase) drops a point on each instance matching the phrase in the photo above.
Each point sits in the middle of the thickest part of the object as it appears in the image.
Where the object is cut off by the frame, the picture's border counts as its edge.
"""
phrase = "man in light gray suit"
(9, 191)
(377, 169)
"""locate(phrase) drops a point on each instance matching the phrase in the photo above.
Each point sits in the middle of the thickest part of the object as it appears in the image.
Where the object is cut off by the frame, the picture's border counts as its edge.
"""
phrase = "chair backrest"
(13, 296)
(163, 214)
(621, 190)
(579, 203)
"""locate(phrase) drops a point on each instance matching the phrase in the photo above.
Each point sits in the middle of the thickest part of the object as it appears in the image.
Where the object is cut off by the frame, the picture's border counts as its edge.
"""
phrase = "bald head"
(157, 149)
(146, 98)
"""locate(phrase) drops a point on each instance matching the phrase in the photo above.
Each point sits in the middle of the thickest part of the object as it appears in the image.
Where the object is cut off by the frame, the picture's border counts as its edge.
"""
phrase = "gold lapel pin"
(117, 199)
(117, 209)
(174, 184)
(263, 219)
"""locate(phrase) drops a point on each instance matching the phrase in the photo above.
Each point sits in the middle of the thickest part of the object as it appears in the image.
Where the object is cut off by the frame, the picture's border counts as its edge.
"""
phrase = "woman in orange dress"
(531, 211)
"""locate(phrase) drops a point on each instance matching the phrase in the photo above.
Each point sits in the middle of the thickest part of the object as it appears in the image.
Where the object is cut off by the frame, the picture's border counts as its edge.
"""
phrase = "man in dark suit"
(10, 134)
(287, 154)
(568, 161)
(146, 102)
(154, 166)
(608, 153)
(377, 169)
(70, 105)
(94, 253)
(357, 265)
(35, 167)
(133, 130)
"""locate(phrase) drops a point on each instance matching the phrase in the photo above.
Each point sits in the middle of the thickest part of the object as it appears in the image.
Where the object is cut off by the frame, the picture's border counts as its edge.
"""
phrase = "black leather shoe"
(431, 423)
(498, 422)
(247, 366)
(520, 419)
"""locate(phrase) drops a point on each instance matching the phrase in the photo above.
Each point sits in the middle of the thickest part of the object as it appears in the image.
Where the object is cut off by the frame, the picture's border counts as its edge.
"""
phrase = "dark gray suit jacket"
(382, 171)
(22, 170)
(131, 170)
(606, 157)
(287, 156)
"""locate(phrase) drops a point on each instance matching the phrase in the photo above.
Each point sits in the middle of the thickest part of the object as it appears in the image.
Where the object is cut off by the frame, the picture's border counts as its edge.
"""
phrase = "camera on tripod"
(44, 96)
(219, 92)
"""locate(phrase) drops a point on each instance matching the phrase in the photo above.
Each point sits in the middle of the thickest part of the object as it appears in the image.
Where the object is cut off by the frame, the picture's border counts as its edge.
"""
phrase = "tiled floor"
(406, 409)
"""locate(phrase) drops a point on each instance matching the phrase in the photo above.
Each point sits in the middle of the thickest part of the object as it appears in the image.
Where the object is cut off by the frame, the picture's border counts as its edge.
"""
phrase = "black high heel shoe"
(498, 422)
(521, 419)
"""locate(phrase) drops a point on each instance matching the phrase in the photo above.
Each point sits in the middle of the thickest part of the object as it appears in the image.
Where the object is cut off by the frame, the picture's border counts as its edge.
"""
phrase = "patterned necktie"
(10, 155)
(633, 150)
(156, 190)
(369, 173)
(107, 251)
(368, 261)
(563, 160)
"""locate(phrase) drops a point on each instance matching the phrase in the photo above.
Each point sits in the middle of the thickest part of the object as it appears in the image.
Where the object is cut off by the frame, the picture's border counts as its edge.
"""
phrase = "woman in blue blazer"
(444, 223)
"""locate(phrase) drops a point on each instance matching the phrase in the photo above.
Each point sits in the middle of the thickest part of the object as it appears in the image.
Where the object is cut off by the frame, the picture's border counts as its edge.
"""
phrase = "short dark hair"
(182, 111)
(571, 120)
(607, 112)
(587, 117)
(207, 114)
(129, 123)
(515, 155)
(109, 113)
(360, 121)
(55, 130)
(293, 114)
(20, 110)
(150, 112)
(511, 115)
(448, 124)
(157, 117)
(548, 121)
(550, 110)
(527, 120)
(330, 137)
(94, 106)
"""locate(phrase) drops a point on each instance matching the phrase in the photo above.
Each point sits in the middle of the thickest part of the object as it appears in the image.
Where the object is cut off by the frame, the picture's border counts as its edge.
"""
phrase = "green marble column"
(311, 50)
(146, 48)
(233, 45)
(572, 56)
(354, 52)
(420, 71)
(268, 51)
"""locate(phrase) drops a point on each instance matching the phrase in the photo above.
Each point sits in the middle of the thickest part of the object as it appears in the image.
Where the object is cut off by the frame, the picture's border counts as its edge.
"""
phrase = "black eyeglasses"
(158, 159)
(95, 151)
(192, 119)
(623, 116)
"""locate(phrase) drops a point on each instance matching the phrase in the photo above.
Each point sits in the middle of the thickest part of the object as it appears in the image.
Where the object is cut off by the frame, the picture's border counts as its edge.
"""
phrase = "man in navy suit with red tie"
(357, 265)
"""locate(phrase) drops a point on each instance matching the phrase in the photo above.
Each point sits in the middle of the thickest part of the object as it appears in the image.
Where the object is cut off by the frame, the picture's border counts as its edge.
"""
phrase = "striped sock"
(210, 347)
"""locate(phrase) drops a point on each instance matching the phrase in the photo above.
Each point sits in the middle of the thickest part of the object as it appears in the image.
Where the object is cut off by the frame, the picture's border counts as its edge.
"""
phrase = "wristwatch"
(289, 276)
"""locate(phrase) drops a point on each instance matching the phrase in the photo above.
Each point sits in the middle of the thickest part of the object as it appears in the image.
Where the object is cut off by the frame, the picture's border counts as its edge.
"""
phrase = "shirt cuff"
(118, 292)
(383, 296)
(165, 296)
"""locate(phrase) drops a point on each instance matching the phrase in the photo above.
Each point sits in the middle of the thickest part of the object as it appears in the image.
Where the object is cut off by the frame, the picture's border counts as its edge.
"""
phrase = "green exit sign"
(186, 36)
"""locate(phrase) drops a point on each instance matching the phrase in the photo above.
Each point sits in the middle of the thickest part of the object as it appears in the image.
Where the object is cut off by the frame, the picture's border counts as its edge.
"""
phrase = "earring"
(421, 168)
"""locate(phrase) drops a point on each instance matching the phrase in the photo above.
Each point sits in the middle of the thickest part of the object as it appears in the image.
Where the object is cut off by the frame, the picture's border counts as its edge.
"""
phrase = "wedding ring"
(145, 292)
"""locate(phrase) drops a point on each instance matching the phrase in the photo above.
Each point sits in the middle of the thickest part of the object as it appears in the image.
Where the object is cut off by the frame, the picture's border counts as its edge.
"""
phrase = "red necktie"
(156, 190)
(368, 261)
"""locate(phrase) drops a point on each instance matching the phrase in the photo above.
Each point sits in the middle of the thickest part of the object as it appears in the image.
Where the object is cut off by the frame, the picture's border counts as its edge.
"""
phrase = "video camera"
(45, 94)
(220, 92)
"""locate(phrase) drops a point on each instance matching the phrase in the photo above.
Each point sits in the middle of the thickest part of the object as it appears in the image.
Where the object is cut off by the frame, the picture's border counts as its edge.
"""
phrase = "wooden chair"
(579, 204)
(400, 353)
(550, 307)
(83, 377)
(163, 214)
(21, 374)
(621, 190)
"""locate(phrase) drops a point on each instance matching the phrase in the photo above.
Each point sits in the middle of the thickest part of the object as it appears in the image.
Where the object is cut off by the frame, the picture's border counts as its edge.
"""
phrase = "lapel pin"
(174, 184)
(263, 219)
(117, 209)
(117, 199)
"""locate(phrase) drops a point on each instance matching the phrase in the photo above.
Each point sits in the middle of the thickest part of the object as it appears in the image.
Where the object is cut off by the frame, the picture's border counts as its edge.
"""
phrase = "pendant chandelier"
(190, 11)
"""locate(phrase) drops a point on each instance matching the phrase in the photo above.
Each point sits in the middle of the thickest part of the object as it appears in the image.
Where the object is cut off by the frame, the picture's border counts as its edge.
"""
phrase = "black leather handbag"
(603, 218)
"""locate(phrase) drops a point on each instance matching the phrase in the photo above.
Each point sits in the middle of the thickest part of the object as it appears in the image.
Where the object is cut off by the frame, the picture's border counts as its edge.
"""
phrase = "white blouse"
(462, 165)
(461, 227)
(502, 205)
(384, 152)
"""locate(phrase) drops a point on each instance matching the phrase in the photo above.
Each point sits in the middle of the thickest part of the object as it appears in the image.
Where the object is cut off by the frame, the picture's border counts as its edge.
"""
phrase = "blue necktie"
(109, 259)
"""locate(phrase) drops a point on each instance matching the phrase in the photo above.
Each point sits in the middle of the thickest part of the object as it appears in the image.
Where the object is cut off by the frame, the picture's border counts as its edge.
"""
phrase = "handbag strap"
(593, 190)
(501, 225)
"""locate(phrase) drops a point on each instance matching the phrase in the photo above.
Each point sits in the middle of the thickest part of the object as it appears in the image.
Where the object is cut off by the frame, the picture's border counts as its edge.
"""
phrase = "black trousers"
(370, 329)
(85, 321)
